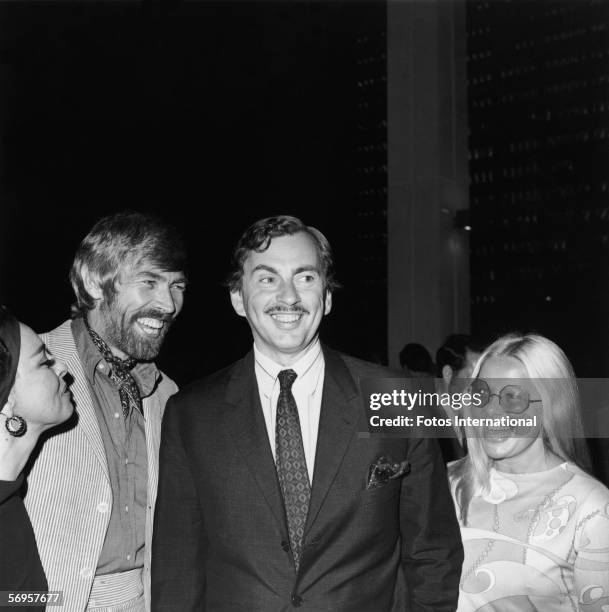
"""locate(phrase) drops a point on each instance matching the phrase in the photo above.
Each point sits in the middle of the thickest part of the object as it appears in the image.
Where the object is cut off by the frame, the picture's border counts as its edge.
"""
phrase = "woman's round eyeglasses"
(512, 398)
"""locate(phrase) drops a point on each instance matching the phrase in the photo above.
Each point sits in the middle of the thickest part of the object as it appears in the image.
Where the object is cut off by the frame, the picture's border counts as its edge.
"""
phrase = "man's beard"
(122, 333)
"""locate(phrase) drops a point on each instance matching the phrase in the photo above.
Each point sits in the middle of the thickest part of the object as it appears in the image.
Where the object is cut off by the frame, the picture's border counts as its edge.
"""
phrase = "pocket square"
(383, 470)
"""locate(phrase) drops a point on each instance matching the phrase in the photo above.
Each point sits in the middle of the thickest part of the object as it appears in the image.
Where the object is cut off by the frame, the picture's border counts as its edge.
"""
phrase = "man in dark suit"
(269, 497)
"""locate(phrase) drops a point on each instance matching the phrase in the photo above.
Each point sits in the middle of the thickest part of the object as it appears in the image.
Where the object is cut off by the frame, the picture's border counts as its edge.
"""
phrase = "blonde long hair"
(561, 430)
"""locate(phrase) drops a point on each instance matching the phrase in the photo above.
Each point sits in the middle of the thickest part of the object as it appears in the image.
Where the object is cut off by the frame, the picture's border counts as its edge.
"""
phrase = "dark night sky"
(211, 114)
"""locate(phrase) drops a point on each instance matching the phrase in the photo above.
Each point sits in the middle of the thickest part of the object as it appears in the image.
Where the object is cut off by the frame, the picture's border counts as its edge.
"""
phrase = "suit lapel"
(337, 423)
(61, 343)
(245, 423)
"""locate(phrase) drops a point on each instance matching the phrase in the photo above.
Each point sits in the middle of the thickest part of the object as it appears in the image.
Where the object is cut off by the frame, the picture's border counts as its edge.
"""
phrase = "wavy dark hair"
(257, 237)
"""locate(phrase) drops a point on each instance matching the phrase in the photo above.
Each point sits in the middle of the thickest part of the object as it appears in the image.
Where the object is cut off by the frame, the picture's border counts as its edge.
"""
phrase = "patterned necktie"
(291, 463)
(120, 374)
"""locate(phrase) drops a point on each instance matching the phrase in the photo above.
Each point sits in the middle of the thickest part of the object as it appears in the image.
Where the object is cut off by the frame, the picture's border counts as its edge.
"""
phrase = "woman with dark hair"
(455, 361)
(33, 398)
(535, 525)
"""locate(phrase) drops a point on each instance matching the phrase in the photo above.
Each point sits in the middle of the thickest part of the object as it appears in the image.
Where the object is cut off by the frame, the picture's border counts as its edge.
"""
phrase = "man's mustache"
(286, 310)
(153, 313)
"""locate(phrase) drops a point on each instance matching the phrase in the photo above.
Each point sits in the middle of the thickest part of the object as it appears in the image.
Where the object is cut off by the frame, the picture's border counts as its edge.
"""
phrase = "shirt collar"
(308, 369)
(146, 374)
(90, 357)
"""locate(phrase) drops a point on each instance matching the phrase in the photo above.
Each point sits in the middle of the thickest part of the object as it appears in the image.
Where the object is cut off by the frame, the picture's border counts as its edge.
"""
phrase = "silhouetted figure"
(455, 361)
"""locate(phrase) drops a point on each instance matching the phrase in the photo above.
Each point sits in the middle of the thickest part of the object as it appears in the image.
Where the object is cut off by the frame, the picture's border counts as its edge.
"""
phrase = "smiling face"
(135, 321)
(282, 296)
(525, 451)
(40, 395)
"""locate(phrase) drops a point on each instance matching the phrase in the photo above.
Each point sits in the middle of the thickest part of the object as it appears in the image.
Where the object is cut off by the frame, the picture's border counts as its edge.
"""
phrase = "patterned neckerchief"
(120, 373)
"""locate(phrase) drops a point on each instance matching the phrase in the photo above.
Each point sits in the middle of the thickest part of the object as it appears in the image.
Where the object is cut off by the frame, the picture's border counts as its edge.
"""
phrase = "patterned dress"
(537, 542)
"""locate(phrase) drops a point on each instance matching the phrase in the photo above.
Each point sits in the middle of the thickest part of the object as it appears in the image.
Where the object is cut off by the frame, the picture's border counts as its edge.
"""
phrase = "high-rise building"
(538, 95)
(370, 185)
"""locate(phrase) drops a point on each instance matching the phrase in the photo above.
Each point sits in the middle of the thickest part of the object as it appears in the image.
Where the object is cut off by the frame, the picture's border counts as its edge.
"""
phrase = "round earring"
(16, 426)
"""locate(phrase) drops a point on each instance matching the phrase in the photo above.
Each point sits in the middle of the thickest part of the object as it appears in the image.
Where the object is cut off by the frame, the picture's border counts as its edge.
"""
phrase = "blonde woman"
(535, 525)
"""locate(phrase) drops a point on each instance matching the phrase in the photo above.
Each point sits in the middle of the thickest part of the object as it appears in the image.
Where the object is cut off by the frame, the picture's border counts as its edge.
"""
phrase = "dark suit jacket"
(220, 534)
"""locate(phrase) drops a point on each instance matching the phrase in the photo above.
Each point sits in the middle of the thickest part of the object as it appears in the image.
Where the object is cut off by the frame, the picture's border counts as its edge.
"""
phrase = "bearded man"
(92, 488)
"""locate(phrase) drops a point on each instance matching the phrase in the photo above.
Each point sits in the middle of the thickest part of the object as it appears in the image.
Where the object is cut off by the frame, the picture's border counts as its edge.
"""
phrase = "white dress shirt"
(307, 391)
